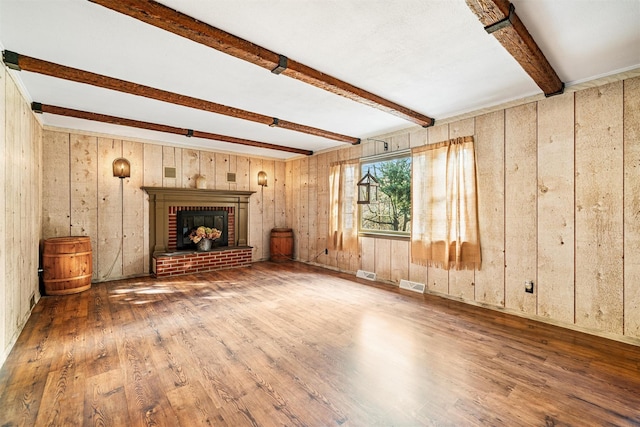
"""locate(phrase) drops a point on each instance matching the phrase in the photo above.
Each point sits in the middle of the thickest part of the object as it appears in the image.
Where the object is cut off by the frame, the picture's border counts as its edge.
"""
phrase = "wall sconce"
(364, 188)
(262, 178)
(121, 168)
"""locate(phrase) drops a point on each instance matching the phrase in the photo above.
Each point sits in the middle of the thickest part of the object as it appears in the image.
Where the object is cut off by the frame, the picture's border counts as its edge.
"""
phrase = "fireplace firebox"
(188, 220)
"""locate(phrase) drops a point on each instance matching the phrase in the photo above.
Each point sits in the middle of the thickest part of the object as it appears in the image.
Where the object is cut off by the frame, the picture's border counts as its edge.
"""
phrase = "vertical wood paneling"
(121, 214)
(400, 142)
(295, 207)
(461, 282)
(352, 261)
(399, 260)
(152, 167)
(438, 277)
(171, 159)
(36, 212)
(256, 211)
(289, 201)
(312, 212)
(109, 218)
(56, 193)
(208, 168)
(489, 145)
(240, 180)
(602, 177)
(21, 240)
(20, 210)
(520, 207)
(632, 207)
(4, 290)
(84, 186)
(417, 273)
(555, 208)
(368, 253)
(303, 211)
(383, 259)
(244, 180)
(152, 177)
(369, 147)
(332, 258)
(133, 234)
(417, 137)
(355, 151)
(12, 210)
(35, 196)
(460, 128)
(599, 208)
(322, 207)
(268, 203)
(222, 167)
(280, 207)
(26, 264)
(190, 167)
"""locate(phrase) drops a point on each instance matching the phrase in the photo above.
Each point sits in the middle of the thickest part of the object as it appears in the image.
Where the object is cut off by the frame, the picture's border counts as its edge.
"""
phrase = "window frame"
(391, 234)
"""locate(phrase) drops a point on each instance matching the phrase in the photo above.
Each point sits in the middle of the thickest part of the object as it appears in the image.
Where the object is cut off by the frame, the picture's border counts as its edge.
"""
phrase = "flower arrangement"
(203, 232)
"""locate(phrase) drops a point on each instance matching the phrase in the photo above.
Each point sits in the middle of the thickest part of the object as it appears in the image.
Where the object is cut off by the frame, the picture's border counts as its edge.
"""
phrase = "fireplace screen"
(190, 220)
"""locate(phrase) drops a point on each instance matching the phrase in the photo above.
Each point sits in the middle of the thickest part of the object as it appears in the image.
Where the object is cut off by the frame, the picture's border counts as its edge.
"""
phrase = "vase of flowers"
(204, 237)
(204, 245)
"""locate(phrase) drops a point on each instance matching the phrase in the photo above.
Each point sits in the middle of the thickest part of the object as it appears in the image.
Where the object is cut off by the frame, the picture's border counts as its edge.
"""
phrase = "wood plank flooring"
(289, 344)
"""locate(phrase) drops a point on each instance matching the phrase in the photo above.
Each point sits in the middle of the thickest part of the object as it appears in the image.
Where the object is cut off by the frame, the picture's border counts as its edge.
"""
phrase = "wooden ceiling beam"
(96, 117)
(499, 18)
(171, 20)
(21, 62)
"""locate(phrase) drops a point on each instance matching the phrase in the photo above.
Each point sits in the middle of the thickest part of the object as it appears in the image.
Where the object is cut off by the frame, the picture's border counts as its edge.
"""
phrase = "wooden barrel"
(281, 248)
(68, 265)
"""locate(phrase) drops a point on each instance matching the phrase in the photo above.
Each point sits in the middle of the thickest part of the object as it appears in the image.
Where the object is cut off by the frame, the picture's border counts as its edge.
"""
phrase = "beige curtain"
(343, 213)
(444, 230)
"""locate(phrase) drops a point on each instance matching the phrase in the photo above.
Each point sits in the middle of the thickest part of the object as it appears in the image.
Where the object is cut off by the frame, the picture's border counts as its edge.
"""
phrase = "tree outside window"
(390, 209)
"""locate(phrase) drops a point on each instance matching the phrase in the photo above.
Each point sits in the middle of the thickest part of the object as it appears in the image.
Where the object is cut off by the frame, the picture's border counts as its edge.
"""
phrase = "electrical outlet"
(528, 286)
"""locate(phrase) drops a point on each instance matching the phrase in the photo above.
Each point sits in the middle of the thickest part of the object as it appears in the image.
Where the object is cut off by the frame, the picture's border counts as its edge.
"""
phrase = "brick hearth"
(186, 262)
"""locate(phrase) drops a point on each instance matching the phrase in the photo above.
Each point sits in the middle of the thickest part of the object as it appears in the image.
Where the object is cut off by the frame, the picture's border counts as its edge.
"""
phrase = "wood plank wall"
(20, 204)
(82, 198)
(559, 204)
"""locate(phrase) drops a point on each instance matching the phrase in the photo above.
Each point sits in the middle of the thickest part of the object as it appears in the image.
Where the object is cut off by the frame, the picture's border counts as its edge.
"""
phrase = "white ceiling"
(432, 56)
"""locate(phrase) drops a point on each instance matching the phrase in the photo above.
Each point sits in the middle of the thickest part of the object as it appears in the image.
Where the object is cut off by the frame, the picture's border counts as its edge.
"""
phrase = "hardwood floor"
(289, 344)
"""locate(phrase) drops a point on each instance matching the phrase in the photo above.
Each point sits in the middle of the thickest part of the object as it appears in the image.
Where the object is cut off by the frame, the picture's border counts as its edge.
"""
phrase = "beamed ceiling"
(283, 78)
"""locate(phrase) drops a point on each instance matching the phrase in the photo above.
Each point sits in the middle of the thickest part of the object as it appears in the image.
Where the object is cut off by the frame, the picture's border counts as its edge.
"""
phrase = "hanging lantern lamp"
(367, 189)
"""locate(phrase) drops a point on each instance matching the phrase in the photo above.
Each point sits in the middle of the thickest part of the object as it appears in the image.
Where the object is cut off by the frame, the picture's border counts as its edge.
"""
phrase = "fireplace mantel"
(160, 199)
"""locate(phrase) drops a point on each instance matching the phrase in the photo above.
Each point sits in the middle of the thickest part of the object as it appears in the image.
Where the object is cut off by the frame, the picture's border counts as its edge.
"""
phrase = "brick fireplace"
(164, 204)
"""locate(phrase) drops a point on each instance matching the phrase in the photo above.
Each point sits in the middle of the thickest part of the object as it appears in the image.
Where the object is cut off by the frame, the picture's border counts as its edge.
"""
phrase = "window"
(390, 209)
